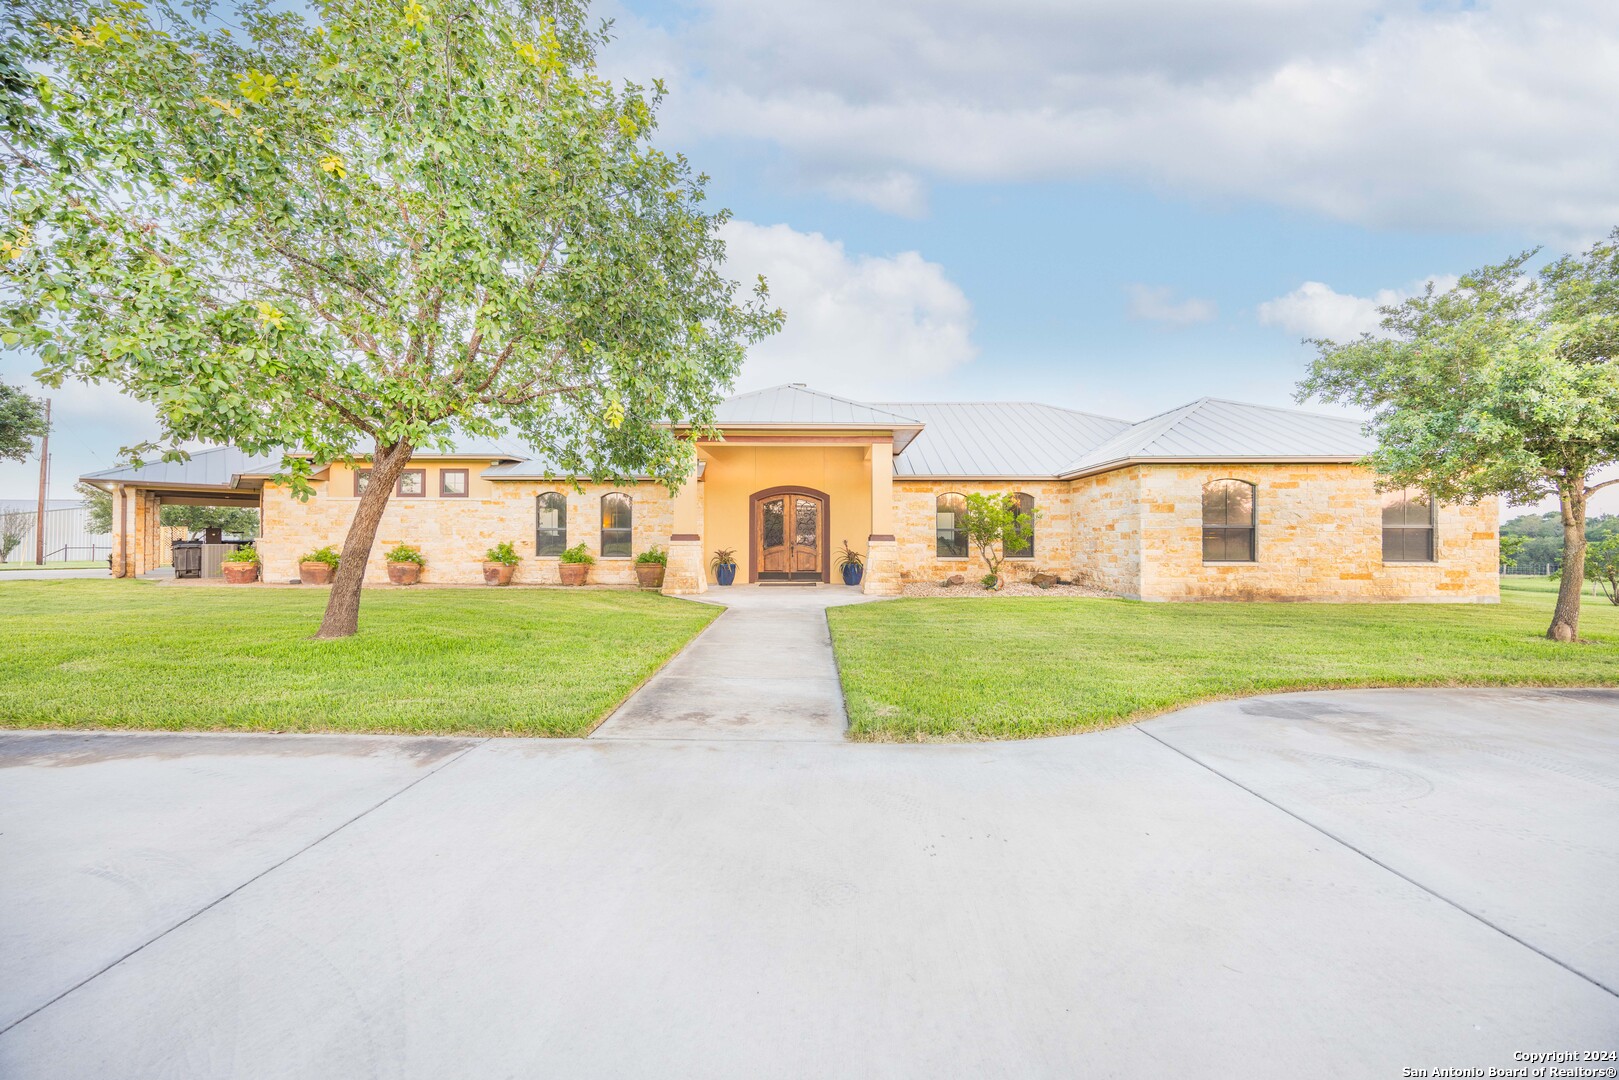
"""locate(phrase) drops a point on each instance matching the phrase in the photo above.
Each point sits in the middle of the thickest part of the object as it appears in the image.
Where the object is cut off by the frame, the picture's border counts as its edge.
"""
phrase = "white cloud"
(861, 325)
(1382, 112)
(1157, 303)
(1317, 310)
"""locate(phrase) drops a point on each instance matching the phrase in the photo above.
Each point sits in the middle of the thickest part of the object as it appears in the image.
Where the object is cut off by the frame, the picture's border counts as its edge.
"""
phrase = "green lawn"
(445, 661)
(73, 564)
(1018, 667)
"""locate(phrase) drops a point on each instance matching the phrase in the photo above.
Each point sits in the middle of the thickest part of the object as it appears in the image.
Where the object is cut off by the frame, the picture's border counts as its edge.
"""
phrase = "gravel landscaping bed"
(1016, 588)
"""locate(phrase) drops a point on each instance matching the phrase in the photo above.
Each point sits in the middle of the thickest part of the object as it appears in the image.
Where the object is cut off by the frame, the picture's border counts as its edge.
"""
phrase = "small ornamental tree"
(361, 233)
(98, 503)
(994, 526)
(22, 420)
(1506, 385)
(1602, 567)
(1510, 548)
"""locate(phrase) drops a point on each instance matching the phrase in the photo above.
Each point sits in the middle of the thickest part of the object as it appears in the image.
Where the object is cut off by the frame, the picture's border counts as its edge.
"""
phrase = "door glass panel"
(774, 529)
(807, 523)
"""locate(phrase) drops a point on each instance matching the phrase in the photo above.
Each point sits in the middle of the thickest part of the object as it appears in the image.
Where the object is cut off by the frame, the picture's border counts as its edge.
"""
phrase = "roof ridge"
(1016, 401)
(1283, 409)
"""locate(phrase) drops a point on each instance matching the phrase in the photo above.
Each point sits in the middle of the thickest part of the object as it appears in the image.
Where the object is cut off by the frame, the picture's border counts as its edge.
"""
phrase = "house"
(1216, 500)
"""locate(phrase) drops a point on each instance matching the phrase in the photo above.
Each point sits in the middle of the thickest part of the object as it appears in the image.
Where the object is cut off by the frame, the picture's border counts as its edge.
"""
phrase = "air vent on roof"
(798, 384)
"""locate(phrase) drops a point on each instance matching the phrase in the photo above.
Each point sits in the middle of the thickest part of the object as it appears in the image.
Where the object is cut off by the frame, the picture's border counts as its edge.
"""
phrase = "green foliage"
(503, 553)
(655, 555)
(994, 526)
(13, 524)
(99, 504)
(245, 553)
(1602, 567)
(850, 557)
(1543, 536)
(233, 520)
(722, 557)
(404, 553)
(990, 580)
(1510, 548)
(327, 555)
(22, 420)
(577, 554)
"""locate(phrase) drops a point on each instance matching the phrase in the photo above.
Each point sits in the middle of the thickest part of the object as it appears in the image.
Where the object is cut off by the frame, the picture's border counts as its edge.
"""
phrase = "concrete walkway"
(763, 670)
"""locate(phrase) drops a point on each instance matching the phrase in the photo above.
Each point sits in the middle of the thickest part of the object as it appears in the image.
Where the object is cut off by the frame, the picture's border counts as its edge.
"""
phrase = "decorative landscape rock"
(1045, 581)
(954, 579)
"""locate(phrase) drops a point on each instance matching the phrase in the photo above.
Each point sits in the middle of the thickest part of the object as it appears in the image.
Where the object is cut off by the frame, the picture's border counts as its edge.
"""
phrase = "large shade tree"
(363, 233)
(1506, 385)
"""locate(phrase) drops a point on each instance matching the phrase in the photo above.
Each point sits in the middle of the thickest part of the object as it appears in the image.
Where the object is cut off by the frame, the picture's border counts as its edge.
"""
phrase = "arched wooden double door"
(788, 535)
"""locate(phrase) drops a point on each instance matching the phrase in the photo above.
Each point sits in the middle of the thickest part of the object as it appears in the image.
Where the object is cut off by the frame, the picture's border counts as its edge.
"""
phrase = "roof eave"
(1220, 459)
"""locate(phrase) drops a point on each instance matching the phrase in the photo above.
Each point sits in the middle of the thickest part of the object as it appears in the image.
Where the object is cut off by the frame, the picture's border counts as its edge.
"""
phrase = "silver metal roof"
(998, 438)
(796, 404)
(218, 466)
(1213, 428)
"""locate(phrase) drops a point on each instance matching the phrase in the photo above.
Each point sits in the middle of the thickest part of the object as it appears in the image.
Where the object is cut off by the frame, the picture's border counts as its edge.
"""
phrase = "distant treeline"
(1545, 533)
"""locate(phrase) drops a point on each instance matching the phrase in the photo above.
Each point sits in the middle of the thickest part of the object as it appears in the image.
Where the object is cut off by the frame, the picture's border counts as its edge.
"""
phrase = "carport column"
(120, 531)
(686, 574)
(882, 552)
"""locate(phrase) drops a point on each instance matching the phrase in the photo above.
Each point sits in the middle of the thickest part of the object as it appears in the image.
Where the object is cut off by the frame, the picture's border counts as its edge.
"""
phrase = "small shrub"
(850, 557)
(989, 581)
(327, 555)
(656, 555)
(578, 554)
(503, 553)
(407, 553)
(722, 557)
(245, 553)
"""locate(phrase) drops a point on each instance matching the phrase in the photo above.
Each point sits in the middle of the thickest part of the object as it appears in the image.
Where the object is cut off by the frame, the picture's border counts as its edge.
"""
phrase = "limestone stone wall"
(454, 533)
(1107, 531)
(915, 528)
(1318, 537)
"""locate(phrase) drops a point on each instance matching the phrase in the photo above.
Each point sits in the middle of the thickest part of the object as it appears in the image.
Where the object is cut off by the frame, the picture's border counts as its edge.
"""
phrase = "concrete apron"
(763, 670)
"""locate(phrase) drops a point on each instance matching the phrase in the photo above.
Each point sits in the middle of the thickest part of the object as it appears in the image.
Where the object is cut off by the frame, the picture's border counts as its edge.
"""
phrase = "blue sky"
(1117, 206)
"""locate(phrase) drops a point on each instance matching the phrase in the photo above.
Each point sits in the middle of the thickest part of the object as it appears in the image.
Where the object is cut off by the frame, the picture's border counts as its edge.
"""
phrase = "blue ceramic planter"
(852, 573)
(725, 573)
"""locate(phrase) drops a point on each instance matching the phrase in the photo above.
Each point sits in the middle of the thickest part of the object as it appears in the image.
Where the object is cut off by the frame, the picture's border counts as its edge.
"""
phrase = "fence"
(1531, 569)
(67, 535)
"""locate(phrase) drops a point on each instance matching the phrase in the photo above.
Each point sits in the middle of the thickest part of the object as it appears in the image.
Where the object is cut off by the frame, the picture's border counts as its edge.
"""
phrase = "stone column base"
(882, 568)
(685, 574)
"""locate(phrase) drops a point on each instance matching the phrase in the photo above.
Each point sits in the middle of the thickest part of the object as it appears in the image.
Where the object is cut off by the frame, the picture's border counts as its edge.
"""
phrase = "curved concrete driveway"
(1343, 884)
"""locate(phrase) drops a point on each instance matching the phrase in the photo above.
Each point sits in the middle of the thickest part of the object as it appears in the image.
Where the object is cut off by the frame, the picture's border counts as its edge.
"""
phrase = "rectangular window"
(618, 536)
(412, 484)
(362, 479)
(1228, 521)
(1408, 526)
(452, 483)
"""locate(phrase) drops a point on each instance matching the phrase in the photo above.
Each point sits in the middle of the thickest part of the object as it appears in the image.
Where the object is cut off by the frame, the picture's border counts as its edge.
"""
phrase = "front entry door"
(789, 537)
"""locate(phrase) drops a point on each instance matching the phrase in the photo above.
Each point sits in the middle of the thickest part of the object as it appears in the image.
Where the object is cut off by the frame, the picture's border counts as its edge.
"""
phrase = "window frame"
(957, 533)
(1431, 528)
(399, 485)
(362, 477)
(1027, 553)
(1225, 530)
(561, 531)
(628, 530)
(466, 483)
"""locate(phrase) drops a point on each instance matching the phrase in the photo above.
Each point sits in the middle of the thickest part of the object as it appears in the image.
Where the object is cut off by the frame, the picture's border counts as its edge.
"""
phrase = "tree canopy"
(236, 520)
(22, 420)
(1506, 385)
(381, 228)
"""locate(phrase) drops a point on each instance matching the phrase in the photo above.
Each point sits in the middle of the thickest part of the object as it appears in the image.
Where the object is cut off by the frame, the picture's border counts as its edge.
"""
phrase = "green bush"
(327, 555)
(989, 581)
(656, 555)
(407, 553)
(245, 553)
(578, 554)
(503, 553)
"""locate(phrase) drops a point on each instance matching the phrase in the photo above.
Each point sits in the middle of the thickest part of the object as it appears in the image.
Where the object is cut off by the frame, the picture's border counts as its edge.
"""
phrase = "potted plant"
(241, 567)
(500, 563)
(650, 567)
(724, 565)
(317, 567)
(852, 563)
(574, 563)
(405, 565)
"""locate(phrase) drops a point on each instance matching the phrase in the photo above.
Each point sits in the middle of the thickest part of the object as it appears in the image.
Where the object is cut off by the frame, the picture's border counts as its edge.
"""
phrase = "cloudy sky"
(1114, 205)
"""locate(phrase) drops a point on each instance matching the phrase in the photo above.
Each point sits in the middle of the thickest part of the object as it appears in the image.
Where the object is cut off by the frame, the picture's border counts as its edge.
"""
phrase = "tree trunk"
(342, 617)
(1566, 617)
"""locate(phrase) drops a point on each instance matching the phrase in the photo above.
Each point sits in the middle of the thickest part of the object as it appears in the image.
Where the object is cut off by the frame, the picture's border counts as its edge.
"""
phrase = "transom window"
(452, 483)
(1228, 521)
(950, 538)
(412, 484)
(1023, 505)
(1408, 526)
(550, 523)
(618, 534)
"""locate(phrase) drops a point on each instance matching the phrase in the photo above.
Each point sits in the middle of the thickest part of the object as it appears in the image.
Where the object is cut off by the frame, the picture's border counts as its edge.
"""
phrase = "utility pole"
(44, 480)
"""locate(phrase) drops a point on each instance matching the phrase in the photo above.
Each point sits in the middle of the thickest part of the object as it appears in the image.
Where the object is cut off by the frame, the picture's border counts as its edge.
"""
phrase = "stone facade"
(916, 515)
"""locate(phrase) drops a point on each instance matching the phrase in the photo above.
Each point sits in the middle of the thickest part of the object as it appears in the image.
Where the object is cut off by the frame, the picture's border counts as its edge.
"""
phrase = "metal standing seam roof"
(796, 404)
(998, 438)
(219, 466)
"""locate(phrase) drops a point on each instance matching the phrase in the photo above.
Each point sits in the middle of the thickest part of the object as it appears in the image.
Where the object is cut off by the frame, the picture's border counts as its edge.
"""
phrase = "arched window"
(618, 535)
(1407, 526)
(550, 523)
(950, 537)
(1023, 505)
(1228, 521)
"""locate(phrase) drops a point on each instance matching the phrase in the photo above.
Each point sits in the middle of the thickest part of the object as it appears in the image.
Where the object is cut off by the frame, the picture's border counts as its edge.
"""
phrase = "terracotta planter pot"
(315, 573)
(572, 573)
(495, 573)
(404, 573)
(240, 573)
(650, 575)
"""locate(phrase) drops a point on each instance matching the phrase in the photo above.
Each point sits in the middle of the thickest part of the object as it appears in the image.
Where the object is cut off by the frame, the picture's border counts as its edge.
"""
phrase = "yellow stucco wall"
(735, 472)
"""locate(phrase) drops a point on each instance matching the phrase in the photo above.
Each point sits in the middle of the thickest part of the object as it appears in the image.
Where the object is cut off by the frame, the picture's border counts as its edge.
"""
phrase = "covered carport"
(218, 477)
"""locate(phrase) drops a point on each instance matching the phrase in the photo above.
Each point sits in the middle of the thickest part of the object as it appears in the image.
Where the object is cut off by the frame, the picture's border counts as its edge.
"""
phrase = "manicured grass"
(441, 661)
(1016, 667)
(78, 564)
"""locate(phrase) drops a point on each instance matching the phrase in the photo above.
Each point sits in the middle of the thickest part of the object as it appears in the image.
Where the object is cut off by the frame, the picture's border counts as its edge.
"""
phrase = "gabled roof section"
(217, 467)
(998, 438)
(793, 404)
(1212, 428)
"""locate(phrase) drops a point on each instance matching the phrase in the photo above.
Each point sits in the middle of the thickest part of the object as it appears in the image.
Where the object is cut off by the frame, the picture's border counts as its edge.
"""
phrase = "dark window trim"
(1032, 535)
(360, 474)
(466, 487)
(602, 530)
(968, 543)
(399, 485)
(538, 531)
(1252, 528)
